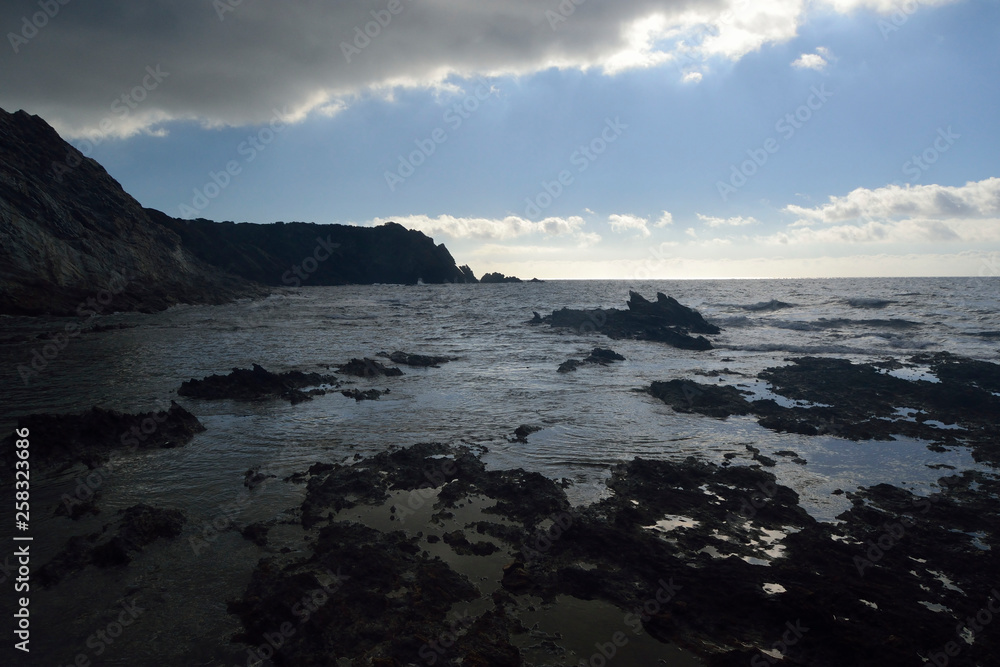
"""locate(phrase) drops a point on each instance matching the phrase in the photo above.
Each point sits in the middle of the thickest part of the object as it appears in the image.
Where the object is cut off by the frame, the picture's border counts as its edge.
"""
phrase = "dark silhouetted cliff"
(69, 233)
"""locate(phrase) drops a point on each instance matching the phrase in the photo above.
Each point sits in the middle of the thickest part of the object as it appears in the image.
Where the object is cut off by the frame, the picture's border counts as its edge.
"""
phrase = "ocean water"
(505, 375)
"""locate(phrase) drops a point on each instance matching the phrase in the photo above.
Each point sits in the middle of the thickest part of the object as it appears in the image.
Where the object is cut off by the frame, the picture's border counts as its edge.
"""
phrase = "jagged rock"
(256, 384)
(522, 432)
(664, 320)
(498, 278)
(358, 395)
(71, 234)
(88, 438)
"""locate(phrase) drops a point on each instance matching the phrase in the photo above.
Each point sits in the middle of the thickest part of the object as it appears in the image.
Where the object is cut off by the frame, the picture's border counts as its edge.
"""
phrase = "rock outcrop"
(665, 320)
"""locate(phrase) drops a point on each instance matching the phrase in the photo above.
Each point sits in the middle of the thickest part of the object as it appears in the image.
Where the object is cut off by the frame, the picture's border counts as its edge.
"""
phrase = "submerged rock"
(368, 368)
(598, 356)
(116, 544)
(256, 384)
(665, 320)
(419, 360)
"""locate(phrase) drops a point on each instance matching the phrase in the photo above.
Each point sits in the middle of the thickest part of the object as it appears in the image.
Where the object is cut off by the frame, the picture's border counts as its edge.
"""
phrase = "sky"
(629, 139)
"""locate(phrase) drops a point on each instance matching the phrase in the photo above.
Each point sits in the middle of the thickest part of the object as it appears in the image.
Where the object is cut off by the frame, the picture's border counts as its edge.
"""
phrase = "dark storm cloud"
(230, 63)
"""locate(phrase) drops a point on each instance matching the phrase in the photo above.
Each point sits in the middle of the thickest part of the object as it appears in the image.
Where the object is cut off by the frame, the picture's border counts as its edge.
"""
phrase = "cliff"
(70, 234)
(298, 253)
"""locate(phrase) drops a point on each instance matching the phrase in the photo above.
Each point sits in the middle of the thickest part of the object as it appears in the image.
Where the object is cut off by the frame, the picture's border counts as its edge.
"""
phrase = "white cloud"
(665, 219)
(883, 6)
(975, 199)
(692, 77)
(810, 61)
(621, 224)
(737, 221)
(501, 229)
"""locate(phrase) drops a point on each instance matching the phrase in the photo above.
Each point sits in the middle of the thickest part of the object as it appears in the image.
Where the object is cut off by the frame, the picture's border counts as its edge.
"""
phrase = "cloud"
(235, 63)
(908, 232)
(621, 224)
(810, 61)
(737, 221)
(975, 199)
(665, 219)
(494, 229)
(692, 77)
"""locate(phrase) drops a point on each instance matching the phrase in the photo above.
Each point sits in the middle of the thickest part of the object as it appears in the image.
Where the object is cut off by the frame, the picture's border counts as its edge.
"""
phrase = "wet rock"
(598, 355)
(256, 533)
(418, 360)
(116, 544)
(522, 432)
(88, 438)
(665, 320)
(256, 384)
(358, 395)
(368, 368)
(706, 399)
(859, 401)
(462, 546)
(253, 477)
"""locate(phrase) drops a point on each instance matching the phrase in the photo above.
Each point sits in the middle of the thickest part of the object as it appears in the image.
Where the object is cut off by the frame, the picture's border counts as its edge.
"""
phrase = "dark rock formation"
(859, 401)
(665, 320)
(498, 277)
(299, 253)
(522, 432)
(257, 384)
(69, 234)
(419, 360)
(116, 544)
(598, 355)
(358, 395)
(368, 368)
(88, 438)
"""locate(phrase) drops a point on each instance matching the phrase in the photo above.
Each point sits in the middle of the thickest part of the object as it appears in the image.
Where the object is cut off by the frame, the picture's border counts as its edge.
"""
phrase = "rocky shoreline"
(422, 555)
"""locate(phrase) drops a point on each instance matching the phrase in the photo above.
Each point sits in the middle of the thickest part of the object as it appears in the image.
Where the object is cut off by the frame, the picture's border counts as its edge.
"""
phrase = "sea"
(504, 375)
